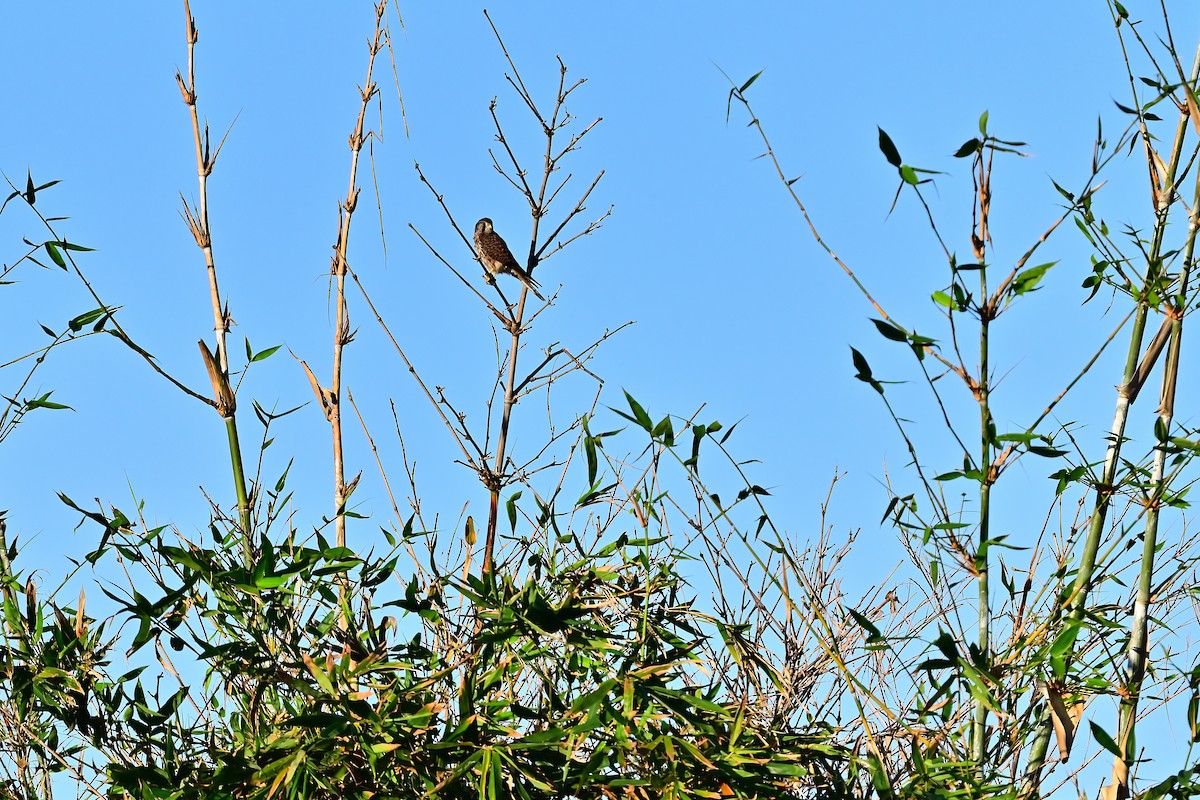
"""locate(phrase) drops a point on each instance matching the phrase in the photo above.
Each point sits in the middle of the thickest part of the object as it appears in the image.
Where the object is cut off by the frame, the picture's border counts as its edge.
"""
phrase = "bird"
(497, 259)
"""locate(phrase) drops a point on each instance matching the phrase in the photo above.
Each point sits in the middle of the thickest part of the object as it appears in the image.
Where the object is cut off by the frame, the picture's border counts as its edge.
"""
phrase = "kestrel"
(497, 259)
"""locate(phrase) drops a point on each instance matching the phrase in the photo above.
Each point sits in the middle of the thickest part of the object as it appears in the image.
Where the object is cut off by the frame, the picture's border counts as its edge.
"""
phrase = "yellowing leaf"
(318, 674)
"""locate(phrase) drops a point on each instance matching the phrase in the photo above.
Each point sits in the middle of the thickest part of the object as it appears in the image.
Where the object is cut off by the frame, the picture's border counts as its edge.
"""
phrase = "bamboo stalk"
(1138, 649)
(1126, 394)
(980, 238)
(342, 334)
(197, 219)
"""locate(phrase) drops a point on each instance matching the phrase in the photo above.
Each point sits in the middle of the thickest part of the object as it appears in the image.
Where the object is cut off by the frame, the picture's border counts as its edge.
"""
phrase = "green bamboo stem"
(1087, 561)
(1077, 600)
(218, 367)
(239, 479)
(979, 722)
(1138, 650)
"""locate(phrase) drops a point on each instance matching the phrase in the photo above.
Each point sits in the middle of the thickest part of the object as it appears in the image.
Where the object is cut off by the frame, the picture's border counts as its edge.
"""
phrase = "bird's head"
(483, 226)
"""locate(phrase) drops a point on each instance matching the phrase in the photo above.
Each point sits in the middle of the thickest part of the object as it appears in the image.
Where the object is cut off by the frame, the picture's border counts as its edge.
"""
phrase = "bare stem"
(342, 334)
(198, 223)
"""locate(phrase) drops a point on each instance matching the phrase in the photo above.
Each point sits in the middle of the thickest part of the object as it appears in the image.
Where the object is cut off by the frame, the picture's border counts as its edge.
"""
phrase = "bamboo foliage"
(1031, 685)
(571, 646)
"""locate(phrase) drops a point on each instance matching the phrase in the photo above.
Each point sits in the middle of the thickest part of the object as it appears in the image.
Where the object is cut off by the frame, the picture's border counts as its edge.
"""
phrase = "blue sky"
(736, 307)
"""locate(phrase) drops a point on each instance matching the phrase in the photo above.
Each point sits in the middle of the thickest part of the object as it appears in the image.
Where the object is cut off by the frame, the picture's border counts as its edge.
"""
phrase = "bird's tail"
(527, 279)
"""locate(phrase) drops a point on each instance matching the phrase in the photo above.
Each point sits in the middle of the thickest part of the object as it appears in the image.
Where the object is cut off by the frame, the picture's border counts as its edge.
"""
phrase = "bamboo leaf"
(750, 82)
(888, 147)
(890, 331)
(264, 354)
(318, 674)
(1104, 740)
(968, 148)
(1028, 279)
(55, 256)
(511, 507)
(864, 370)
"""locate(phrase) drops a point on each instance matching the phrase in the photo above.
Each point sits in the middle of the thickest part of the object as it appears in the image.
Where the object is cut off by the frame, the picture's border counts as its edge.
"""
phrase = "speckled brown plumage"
(497, 259)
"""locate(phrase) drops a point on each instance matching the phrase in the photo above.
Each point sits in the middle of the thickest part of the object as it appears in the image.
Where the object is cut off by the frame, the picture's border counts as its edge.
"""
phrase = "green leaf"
(749, 490)
(639, 414)
(1104, 740)
(665, 431)
(87, 318)
(55, 256)
(968, 148)
(1028, 279)
(909, 175)
(1068, 195)
(1067, 477)
(264, 354)
(1061, 648)
(873, 633)
(173, 702)
(693, 461)
(318, 674)
(511, 507)
(890, 331)
(43, 402)
(589, 449)
(983, 121)
(864, 370)
(12, 615)
(270, 581)
(78, 247)
(1185, 444)
(143, 635)
(594, 493)
(888, 147)
(860, 364)
(182, 557)
(879, 777)
(750, 82)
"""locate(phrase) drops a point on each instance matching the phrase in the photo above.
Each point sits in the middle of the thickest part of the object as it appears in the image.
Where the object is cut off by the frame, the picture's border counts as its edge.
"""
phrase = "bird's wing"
(505, 256)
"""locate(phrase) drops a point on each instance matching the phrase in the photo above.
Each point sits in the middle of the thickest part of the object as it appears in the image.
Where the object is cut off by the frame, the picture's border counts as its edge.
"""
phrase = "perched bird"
(497, 259)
